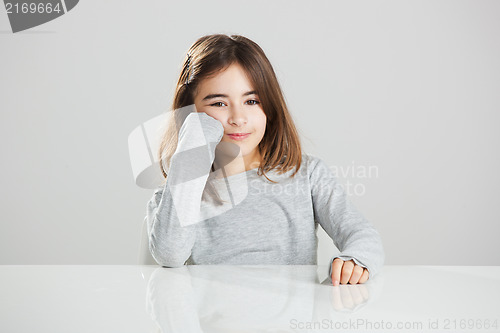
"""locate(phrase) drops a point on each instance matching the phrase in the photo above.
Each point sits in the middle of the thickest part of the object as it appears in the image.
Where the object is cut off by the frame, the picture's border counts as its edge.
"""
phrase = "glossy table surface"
(247, 299)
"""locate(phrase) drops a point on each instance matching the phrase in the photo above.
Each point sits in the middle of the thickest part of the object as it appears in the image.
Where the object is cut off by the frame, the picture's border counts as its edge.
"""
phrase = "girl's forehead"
(232, 73)
(226, 83)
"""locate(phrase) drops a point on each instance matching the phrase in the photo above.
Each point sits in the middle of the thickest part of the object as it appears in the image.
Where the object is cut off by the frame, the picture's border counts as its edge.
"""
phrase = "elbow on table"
(170, 260)
(172, 264)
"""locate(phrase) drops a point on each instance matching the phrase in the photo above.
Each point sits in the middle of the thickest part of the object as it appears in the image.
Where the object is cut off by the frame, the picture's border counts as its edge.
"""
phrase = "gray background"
(411, 88)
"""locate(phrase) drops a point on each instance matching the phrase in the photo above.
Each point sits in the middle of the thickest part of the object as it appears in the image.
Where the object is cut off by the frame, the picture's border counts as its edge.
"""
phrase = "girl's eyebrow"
(210, 96)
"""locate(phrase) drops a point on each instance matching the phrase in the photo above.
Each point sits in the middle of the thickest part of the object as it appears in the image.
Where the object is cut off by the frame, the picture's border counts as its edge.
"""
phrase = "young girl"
(278, 195)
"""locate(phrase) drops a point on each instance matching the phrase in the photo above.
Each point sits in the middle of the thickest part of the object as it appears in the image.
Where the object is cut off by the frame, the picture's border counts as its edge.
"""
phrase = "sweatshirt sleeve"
(354, 236)
(174, 209)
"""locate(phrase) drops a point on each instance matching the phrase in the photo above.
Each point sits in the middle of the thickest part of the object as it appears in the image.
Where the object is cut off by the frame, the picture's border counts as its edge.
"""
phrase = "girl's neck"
(242, 164)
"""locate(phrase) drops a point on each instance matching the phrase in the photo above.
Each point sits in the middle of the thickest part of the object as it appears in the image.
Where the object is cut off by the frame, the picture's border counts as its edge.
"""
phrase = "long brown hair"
(280, 147)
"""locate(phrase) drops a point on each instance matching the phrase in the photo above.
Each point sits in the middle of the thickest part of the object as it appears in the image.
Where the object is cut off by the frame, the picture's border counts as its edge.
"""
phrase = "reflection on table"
(113, 298)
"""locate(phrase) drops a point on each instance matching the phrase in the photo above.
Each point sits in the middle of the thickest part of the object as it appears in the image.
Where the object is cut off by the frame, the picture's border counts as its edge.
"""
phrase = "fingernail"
(335, 283)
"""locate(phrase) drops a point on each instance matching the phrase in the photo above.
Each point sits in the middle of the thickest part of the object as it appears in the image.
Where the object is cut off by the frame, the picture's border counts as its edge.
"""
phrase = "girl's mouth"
(238, 136)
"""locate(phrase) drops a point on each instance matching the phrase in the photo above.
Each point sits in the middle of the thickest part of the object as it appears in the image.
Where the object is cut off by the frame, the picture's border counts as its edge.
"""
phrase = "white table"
(246, 299)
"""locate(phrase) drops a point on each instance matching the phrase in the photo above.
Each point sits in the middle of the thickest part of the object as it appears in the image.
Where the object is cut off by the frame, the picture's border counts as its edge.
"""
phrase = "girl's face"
(229, 97)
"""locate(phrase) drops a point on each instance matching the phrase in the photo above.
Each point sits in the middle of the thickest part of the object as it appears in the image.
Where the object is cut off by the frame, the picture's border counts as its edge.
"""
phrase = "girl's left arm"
(351, 232)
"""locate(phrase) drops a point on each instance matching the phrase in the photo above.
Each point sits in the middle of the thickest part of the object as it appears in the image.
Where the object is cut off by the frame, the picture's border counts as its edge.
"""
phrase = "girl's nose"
(237, 116)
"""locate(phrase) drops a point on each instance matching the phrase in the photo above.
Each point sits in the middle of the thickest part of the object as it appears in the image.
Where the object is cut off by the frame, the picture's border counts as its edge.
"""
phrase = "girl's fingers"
(356, 274)
(347, 271)
(336, 270)
(364, 276)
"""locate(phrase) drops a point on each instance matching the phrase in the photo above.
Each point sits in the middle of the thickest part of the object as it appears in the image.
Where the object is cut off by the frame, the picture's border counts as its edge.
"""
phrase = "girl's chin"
(229, 147)
(238, 143)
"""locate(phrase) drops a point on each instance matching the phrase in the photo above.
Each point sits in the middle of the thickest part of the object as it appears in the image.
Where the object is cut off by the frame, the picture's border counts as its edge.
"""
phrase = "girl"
(278, 195)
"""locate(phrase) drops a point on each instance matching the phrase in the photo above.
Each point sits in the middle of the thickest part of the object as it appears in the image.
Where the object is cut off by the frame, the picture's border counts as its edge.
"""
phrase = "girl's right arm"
(174, 210)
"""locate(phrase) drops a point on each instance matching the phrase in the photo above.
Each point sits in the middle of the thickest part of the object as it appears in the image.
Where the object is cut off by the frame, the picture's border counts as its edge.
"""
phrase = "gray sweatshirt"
(260, 222)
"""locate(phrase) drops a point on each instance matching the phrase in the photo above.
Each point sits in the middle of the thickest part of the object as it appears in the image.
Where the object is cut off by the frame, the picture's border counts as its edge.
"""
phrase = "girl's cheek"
(218, 116)
(209, 112)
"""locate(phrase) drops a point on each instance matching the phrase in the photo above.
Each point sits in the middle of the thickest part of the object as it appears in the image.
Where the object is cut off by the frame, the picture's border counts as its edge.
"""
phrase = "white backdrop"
(401, 98)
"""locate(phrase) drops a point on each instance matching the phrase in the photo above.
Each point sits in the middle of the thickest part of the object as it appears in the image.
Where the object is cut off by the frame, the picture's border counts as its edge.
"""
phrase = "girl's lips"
(239, 136)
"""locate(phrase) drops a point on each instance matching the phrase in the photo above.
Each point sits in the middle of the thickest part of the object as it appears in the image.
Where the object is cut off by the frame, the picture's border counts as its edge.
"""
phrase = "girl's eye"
(251, 102)
(216, 104)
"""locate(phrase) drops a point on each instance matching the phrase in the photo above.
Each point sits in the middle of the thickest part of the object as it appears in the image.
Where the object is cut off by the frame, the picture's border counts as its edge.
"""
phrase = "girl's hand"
(348, 271)
(212, 129)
